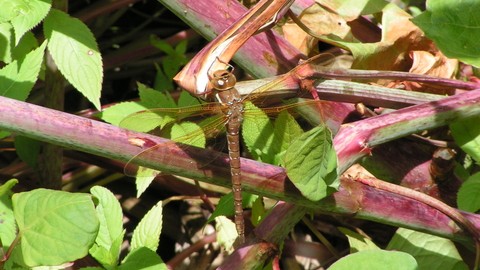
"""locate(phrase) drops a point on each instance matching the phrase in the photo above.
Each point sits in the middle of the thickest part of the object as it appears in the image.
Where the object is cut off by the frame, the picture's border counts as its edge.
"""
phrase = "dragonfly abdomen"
(233, 138)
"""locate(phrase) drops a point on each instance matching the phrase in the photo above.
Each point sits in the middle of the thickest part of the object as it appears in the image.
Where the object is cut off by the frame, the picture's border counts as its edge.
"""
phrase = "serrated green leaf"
(108, 258)
(8, 228)
(142, 258)
(147, 232)
(188, 133)
(144, 178)
(453, 26)
(467, 135)
(311, 164)
(377, 260)
(18, 77)
(110, 216)
(257, 132)
(468, 198)
(186, 100)
(75, 52)
(358, 242)
(226, 233)
(162, 82)
(30, 17)
(6, 36)
(110, 235)
(116, 113)
(145, 121)
(55, 226)
(431, 252)
(225, 205)
(286, 130)
(26, 45)
(181, 48)
(10, 9)
(28, 150)
(162, 45)
(155, 99)
(171, 65)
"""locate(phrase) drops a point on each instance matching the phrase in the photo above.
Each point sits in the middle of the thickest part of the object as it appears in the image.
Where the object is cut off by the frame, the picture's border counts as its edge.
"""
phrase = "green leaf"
(453, 26)
(144, 178)
(226, 233)
(467, 135)
(8, 51)
(111, 232)
(431, 252)
(257, 132)
(186, 100)
(181, 133)
(28, 150)
(162, 45)
(377, 260)
(181, 48)
(30, 17)
(7, 186)
(162, 82)
(6, 36)
(18, 77)
(55, 226)
(467, 197)
(286, 130)
(75, 52)
(108, 258)
(358, 242)
(144, 259)
(116, 113)
(147, 232)
(155, 99)
(225, 205)
(311, 164)
(10, 9)
(8, 228)
(28, 43)
(55, 267)
(171, 66)
(147, 120)
(258, 210)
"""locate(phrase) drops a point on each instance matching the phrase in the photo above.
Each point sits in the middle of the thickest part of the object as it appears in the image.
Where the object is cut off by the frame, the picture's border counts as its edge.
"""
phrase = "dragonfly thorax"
(223, 80)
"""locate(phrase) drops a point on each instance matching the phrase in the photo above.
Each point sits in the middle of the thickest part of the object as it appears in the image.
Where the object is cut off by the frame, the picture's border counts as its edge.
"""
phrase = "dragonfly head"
(223, 80)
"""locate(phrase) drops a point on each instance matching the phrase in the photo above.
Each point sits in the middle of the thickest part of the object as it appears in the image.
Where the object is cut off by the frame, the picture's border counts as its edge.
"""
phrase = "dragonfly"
(229, 111)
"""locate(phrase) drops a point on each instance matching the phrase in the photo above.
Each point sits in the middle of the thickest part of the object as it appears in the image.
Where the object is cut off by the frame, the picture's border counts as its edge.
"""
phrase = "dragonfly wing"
(186, 133)
(147, 120)
(267, 140)
(257, 132)
(294, 79)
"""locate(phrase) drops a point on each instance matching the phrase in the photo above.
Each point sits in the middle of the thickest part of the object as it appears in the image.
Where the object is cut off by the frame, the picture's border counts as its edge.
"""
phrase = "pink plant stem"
(434, 203)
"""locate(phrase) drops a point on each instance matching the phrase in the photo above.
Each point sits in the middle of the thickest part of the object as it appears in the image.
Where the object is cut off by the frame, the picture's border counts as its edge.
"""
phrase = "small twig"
(175, 261)
(430, 201)
(322, 238)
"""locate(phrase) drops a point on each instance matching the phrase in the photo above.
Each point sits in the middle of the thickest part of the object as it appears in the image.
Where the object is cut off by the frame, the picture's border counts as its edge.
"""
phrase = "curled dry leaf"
(322, 21)
(403, 46)
(435, 65)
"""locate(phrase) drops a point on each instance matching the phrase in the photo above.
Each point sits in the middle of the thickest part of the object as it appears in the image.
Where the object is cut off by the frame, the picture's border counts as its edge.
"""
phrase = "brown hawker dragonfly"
(229, 112)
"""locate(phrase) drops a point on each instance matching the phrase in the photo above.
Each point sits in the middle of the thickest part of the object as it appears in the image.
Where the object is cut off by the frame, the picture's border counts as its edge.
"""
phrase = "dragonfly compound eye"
(223, 80)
